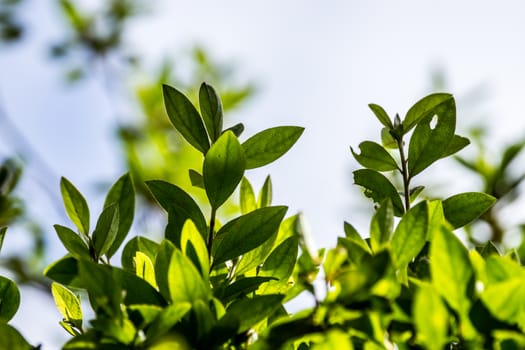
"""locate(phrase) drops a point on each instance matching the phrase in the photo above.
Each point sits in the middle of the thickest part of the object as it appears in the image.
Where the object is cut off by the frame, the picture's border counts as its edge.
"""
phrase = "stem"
(211, 233)
(404, 173)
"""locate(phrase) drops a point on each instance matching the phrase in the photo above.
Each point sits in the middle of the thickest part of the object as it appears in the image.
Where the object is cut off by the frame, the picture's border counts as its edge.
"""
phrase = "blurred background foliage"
(92, 45)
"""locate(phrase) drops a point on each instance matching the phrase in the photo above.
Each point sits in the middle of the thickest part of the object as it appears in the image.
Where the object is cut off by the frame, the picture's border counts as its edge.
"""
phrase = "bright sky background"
(318, 65)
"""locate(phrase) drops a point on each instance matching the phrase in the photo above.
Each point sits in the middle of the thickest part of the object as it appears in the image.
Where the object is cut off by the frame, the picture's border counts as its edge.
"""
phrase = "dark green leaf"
(464, 208)
(378, 187)
(106, 230)
(429, 144)
(374, 156)
(138, 244)
(265, 195)
(410, 235)
(381, 115)
(11, 339)
(162, 263)
(242, 287)
(121, 194)
(9, 299)
(280, 264)
(456, 144)
(223, 169)
(237, 129)
(185, 118)
(3, 231)
(211, 110)
(451, 269)
(381, 225)
(246, 232)
(72, 242)
(196, 179)
(166, 319)
(270, 144)
(423, 108)
(76, 206)
(246, 313)
(180, 207)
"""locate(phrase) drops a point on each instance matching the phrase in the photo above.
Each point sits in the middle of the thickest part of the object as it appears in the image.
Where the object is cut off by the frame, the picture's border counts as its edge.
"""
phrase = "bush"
(411, 284)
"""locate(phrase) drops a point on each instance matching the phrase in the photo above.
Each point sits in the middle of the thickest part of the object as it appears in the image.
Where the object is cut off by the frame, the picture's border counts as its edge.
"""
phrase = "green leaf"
(184, 281)
(196, 179)
(106, 230)
(72, 242)
(450, 269)
(64, 271)
(506, 301)
(247, 197)
(430, 318)
(436, 218)
(3, 231)
(121, 194)
(185, 118)
(280, 264)
(381, 115)
(378, 187)
(265, 195)
(11, 339)
(269, 145)
(180, 207)
(387, 140)
(194, 247)
(246, 313)
(352, 234)
(456, 144)
(381, 225)
(423, 108)
(138, 244)
(76, 206)
(246, 232)
(144, 268)
(429, 144)
(68, 304)
(9, 299)
(241, 287)
(410, 235)
(167, 318)
(211, 110)
(223, 169)
(162, 263)
(237, 129)
(374, 156)
(464, 208)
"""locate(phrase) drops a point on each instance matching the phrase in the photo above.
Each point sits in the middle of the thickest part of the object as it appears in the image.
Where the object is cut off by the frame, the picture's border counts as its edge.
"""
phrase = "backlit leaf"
(410, 235)
(211, 110)
(68, 304)
(72, 242)
(106, 230)
(464, 208)
(422, 108)
(76, 206)
(184, 281)
(382, 225)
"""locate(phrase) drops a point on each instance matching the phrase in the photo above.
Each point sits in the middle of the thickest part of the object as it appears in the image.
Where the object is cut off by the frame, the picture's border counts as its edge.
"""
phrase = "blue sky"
(318, 65)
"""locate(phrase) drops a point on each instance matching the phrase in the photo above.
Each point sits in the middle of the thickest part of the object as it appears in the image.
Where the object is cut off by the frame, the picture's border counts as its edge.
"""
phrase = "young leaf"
(423, 108)
(194, 247)
(138, 244)
(196, 179)
(185, 118)
(184, 281)
(72, 242)
(410, 235)
(246, 233)
(223, 169)
(378, 187)
(387, 140)
(237, 129)
(144, 268)
(450, 269)
(464, 208)
(106, 230)
(381, 115)
(76, 206)
(121, 194)
(179, 205)
(247, 197)
(429, 144)
(269, 145)
(374, 156)
(9, 299)
(265, 195)
(211, 110)
(430, 318)
(68, 304)
(382, 225)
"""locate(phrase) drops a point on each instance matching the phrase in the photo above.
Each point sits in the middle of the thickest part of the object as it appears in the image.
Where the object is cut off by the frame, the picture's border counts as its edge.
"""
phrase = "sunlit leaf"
(410, 235)
(422, 108)
(211, 110)
(379, 188)
(464, 208)
(72, 242)
(382, 225)
(68, 304)
(9, 299)
(381, 115)
(76, 206)
(374, 156)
